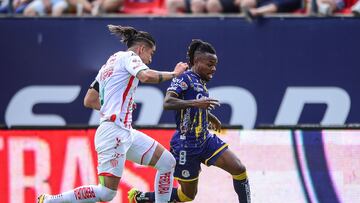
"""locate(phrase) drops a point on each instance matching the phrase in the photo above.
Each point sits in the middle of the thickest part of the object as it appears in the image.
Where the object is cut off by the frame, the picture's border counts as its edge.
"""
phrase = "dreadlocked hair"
(130, 36)
(198, 46)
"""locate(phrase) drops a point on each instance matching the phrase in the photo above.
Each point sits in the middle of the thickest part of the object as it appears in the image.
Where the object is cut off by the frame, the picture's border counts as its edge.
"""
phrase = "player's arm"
(173, 102)
(154, 76)
(91, 99)
(214, 121)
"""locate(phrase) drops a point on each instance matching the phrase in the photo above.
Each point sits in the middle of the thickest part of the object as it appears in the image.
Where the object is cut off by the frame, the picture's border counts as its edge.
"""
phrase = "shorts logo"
(118, 143)
(114, 162)
(185, 173)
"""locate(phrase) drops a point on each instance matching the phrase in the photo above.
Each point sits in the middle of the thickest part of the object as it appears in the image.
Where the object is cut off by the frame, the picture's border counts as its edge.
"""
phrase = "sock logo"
(164, 183)
(84, 193)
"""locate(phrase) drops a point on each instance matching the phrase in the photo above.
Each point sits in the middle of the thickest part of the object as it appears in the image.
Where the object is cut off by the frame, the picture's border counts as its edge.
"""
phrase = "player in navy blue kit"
(192, 143)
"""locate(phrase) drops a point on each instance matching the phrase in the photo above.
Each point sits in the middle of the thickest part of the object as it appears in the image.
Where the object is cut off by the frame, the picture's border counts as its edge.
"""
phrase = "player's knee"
(238, 168)
(107, 194)
(172, 161)
(166, 161)
(187, 195)
(192, 196)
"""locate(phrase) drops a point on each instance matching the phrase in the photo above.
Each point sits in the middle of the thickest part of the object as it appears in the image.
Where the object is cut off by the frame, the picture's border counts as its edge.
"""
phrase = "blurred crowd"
(251, 9)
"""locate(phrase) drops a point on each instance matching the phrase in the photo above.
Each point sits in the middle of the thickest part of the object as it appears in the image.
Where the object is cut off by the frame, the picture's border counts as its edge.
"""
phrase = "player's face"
(205, 65)
(147, 53)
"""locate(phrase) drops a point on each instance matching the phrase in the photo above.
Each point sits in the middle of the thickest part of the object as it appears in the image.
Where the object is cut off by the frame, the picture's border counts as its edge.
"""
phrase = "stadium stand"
(161, 7)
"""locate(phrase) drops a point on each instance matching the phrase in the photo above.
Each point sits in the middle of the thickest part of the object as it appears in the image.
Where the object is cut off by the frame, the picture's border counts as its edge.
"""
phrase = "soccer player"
(192, 143)
(115, 140)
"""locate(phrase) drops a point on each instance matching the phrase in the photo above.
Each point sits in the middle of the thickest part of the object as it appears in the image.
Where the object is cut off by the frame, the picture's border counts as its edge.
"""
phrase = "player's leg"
(185, 193)
(164, 162)
(146, 151)
(111, 143)
(232, 164)
(218, 154)
(85, 194)
(186, 172)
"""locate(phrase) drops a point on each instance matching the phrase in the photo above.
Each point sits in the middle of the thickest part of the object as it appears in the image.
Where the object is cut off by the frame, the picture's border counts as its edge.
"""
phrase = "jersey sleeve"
(135, 65)
(179, 84)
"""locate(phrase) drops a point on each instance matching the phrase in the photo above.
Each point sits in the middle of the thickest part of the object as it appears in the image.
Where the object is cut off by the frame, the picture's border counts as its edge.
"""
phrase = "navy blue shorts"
(188, 160)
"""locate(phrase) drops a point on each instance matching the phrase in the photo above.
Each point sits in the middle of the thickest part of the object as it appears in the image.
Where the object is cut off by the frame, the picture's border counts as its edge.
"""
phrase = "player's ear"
(137, 50)
(142, 48)
(195, 59)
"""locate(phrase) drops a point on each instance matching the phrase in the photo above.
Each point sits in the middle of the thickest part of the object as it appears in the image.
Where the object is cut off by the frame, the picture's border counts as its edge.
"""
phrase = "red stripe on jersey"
(127, 91)
(127, 112)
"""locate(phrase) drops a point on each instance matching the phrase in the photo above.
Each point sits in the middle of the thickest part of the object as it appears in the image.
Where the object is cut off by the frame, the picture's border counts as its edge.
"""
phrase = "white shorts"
(115, 144)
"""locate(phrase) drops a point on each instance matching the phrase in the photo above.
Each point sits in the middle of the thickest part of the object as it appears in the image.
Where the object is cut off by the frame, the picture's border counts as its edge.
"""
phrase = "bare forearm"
(154, 76)
(173, 103)
(165, 76)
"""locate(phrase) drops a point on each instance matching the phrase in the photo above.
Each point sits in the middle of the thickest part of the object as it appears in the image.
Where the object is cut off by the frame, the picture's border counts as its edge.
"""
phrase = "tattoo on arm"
(160, 77)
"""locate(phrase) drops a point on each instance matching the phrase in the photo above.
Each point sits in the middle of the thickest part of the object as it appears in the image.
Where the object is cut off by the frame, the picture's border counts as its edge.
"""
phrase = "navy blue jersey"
(192, 122)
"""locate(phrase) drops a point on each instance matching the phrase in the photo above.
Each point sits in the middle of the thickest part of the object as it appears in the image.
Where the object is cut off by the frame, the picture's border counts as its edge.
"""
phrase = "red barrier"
(36, 161)
(282, 165)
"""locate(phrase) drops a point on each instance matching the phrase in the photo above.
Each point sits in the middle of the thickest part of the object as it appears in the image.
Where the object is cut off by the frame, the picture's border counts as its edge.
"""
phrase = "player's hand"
(206, 103)
(215, 124)
(180, 68)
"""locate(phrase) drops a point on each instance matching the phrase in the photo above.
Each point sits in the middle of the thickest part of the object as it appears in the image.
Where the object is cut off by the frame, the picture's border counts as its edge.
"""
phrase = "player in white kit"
(113, 94)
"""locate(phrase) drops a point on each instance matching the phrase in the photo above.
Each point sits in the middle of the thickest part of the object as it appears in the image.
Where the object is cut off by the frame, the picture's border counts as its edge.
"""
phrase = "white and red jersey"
(117, 85)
